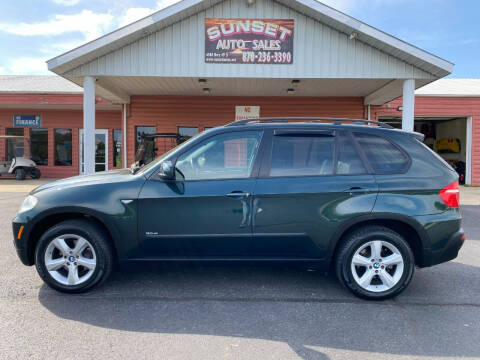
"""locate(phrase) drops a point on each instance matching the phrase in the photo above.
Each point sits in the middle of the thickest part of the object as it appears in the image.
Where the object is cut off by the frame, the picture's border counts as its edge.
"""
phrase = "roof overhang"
(433, 67)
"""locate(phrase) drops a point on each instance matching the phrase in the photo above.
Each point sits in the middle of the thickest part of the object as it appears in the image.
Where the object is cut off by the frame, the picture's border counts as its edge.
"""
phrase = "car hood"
(103, 177)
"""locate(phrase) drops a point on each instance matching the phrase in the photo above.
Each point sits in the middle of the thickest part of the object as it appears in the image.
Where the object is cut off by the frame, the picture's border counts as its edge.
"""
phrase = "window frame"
(206, 137)
(266, 162)
(395, 145)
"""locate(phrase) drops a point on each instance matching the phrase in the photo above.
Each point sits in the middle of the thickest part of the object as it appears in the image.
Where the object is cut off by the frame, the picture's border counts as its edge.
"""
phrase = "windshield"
(162, 157)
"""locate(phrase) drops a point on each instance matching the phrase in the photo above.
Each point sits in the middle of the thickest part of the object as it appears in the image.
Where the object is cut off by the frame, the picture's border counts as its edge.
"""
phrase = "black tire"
(20, 174)
(35, 173)
(94, 234)
(353, 241)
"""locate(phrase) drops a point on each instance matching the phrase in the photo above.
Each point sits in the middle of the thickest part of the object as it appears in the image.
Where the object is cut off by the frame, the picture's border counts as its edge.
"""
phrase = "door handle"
(357, 190)
(238, 194)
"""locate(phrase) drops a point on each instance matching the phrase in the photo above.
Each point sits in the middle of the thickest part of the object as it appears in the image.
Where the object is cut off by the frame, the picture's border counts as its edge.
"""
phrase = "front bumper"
(20, 240)
(448, 252)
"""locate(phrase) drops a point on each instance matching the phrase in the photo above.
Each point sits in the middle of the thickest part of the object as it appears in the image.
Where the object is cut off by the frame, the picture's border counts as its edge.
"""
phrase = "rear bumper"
(447, 253)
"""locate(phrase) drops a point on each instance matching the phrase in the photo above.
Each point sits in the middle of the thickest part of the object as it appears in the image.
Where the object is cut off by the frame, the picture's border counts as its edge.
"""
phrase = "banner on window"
(249, 41)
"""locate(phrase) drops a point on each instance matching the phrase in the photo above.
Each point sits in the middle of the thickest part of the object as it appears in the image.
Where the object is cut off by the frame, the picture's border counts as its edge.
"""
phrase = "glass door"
(101, 150)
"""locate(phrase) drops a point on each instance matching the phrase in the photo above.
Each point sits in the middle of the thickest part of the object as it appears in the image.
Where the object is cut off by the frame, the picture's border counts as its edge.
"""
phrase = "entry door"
(101, 150)
(207, 212)
(311, 183)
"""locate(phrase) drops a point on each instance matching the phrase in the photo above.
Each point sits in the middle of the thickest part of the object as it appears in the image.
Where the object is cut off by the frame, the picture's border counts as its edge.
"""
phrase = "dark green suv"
(370, 202)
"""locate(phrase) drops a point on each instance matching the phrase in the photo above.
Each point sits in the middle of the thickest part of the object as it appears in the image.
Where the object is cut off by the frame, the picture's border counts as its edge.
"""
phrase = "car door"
(207, 211)
(310, 182)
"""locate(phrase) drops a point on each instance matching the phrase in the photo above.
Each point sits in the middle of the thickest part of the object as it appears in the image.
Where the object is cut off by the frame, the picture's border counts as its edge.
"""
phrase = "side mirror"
(167, 171)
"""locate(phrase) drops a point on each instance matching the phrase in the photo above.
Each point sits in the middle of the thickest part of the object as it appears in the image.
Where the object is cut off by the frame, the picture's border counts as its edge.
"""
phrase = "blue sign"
(27, 120)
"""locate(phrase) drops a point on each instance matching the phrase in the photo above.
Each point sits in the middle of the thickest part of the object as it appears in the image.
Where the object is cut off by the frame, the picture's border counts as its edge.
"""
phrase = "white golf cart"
(20, 166)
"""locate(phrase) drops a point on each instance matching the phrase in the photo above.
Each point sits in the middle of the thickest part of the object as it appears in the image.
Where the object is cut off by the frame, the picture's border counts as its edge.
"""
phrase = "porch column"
(408, 104)
(89, 124)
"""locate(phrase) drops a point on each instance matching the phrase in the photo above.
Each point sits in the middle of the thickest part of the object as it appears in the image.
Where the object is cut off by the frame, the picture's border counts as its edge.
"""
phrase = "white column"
(408, 104)
(89, 124)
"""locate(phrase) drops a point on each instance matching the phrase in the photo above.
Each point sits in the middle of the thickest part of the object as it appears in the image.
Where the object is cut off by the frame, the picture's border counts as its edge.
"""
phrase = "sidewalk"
(25, 186)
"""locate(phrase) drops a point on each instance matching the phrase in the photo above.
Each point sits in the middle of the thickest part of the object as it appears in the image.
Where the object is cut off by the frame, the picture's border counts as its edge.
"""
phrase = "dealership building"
(203, 63)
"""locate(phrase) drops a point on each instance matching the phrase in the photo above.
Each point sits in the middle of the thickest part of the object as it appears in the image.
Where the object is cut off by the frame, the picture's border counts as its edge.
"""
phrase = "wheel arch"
(59, 215)
(408, 228)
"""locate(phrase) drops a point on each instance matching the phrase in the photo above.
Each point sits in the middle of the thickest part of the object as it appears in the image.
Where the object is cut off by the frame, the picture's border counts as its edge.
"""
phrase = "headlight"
(28, 204)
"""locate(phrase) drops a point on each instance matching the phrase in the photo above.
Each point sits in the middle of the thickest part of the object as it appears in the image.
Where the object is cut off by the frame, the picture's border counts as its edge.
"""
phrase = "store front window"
(187, 132)
(14, 147)
(63, 147)
(39, 146)
(117, 148)
(140, 131)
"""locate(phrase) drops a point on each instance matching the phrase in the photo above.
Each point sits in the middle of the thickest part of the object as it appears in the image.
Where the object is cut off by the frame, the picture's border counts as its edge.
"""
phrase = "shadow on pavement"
(285, 303)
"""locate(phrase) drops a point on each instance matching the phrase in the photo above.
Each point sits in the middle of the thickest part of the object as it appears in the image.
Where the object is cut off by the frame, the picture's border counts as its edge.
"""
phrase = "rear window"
(349, 162)
(383, 156)
(302, 155)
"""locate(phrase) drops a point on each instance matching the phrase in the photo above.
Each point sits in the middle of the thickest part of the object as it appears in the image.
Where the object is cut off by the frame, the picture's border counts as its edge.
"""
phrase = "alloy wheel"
(377, 266)
(70, 259)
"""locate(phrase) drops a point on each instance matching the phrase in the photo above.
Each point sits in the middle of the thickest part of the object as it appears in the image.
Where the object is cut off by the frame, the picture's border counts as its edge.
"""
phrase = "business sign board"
(27, 120)
(247, 112)
(249, 41)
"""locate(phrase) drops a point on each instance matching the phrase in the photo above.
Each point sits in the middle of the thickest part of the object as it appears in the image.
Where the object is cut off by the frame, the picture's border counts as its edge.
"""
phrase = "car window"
(302, 155)
(383, 156)
(225, 156)
(349, 162)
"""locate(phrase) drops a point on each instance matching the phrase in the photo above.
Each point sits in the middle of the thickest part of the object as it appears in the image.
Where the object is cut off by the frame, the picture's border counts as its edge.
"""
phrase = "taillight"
(450, 194)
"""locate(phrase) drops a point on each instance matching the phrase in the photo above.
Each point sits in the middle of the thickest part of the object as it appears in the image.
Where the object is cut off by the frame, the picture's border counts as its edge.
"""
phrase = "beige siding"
(319, 51)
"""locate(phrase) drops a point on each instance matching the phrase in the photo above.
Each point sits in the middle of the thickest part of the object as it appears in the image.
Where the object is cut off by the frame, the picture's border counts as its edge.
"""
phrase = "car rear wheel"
(35, 173)
(74, 256)
(375, 263)
(20, 174)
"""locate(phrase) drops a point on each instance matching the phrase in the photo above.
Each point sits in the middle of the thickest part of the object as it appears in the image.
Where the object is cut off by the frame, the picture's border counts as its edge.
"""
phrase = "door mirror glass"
(167, 170)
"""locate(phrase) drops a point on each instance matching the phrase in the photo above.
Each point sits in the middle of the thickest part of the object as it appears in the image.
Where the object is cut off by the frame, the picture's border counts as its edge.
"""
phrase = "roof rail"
(335, 121)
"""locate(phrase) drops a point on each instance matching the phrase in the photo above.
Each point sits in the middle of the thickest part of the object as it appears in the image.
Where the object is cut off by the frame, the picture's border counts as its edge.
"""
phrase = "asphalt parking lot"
(240, 311)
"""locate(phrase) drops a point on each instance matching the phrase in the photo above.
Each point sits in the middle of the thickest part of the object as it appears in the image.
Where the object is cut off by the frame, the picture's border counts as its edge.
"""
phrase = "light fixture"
(250, 2)
(353, 35)
(206, 91)
(295, 83)
(291, 91)
(400, 108)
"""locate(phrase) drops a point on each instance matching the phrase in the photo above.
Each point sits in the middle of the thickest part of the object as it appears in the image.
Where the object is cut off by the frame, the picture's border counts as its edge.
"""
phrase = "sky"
(33, 31)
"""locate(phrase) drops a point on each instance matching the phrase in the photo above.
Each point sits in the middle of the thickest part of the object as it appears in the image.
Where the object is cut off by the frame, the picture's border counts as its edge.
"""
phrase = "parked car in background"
(369, 202)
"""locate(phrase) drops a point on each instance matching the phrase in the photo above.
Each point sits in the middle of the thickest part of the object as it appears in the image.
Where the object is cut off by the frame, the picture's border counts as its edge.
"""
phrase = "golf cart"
(14, 161)
(151, 143)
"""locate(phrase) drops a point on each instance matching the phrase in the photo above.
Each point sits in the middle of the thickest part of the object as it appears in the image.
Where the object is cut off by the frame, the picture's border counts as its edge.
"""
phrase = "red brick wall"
(59, 119)
(166, 113)
(444, 106)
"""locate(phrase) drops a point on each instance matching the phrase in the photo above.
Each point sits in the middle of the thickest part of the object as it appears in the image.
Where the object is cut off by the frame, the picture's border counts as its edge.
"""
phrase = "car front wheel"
(375, 263)
(74, 256)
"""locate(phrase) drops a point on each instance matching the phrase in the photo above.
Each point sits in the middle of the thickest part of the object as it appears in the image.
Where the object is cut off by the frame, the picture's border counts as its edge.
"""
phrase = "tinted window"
(349, 162)
(63, 147)
(225, 156)
(39, 146)
(117, 148)
(384, 157)
(302, 155)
